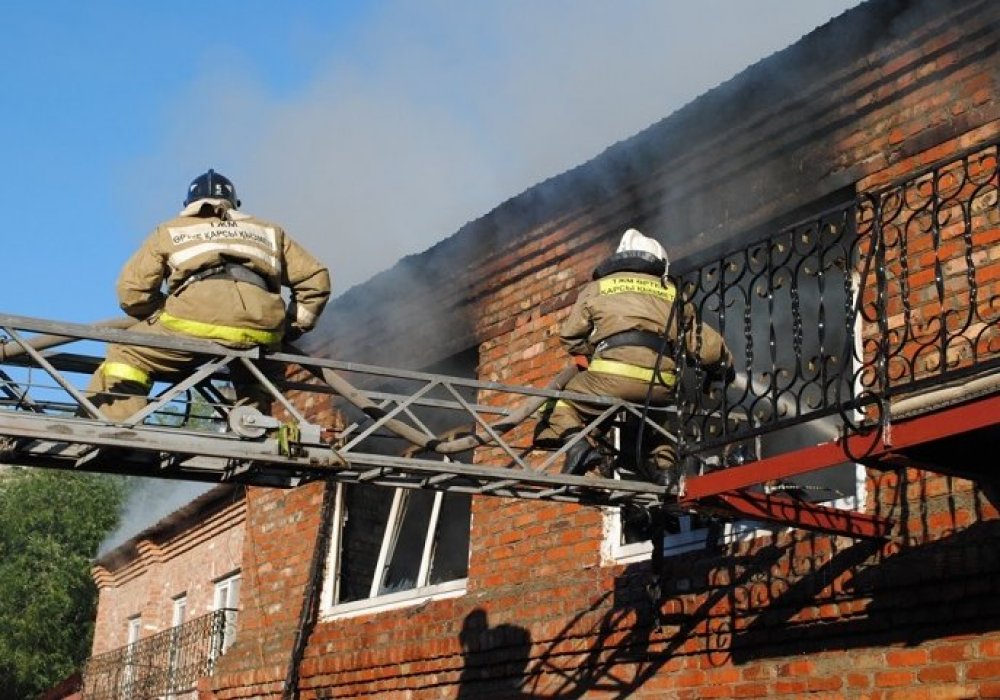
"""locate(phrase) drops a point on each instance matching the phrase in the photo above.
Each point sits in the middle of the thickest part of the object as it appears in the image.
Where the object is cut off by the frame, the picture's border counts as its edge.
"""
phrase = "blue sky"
(371, 130)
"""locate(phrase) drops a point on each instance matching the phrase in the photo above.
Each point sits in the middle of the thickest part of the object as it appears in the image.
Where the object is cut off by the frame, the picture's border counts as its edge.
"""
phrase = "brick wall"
(164, 564)
(871, 97)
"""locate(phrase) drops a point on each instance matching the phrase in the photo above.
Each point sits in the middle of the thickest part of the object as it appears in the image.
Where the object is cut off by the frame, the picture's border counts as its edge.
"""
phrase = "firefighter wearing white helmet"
(615, 331)
(216, 273)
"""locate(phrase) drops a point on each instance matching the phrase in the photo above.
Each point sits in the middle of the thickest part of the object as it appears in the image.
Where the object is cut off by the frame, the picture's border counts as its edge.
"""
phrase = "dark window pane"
(406, 551)
(450, 557)
(367, 510)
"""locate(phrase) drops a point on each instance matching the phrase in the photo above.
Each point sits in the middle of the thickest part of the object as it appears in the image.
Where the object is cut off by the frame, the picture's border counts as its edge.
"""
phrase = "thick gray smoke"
(439, 111)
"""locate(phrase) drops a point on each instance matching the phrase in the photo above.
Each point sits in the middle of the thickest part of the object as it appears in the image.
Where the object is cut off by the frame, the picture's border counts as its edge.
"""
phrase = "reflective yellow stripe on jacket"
(623, 369)
(120, 370)
(212, 331)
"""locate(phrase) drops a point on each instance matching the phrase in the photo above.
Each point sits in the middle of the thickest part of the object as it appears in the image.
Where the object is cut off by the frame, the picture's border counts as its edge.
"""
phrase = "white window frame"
(179, 614)
(375, 602)
(133, 632)
(226, 597)
(134, 629)
(177, 618)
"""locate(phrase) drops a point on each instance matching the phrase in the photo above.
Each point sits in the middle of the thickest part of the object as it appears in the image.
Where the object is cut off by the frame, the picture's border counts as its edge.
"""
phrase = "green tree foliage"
(51, 524)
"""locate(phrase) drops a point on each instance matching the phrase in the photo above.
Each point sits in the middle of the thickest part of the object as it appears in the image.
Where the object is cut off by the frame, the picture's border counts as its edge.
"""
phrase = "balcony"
(868, 334)
(844, 320)
(167, 664)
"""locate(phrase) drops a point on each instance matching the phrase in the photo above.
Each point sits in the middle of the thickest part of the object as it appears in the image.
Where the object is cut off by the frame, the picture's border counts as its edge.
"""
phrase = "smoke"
(433, 114)
(436, 112)
(149, 501)
(823, 430)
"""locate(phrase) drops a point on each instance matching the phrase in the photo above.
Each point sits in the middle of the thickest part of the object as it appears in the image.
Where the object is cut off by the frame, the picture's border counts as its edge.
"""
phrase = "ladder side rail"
(125, 337)
(67, 386)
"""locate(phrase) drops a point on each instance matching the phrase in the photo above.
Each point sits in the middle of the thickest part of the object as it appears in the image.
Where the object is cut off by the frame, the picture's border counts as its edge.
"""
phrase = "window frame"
(227, 587)
(375, 602)
(133, 632)
(178, 616)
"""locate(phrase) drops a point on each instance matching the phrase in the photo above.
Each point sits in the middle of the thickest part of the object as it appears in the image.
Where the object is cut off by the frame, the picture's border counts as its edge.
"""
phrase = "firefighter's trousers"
(568, 417)
(121, 385)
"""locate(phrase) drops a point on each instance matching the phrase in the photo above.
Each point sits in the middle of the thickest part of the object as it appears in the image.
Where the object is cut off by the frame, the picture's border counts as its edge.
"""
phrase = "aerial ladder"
(384, 432)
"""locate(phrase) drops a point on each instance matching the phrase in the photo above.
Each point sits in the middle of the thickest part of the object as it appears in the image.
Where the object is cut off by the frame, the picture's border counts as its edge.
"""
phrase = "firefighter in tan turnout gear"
(615, 331)
(215, 273)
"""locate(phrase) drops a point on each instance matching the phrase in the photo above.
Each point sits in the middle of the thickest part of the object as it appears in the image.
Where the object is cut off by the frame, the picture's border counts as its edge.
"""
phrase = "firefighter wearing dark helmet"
(615, 331)
(216, 273)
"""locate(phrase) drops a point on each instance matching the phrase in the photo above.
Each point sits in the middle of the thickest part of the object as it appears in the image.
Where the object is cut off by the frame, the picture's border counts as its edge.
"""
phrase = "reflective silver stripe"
(303, 316)
(235, 232)
(181, 256)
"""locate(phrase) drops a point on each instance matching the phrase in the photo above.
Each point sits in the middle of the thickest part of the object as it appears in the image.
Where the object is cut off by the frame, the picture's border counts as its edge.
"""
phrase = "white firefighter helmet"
(634, 240)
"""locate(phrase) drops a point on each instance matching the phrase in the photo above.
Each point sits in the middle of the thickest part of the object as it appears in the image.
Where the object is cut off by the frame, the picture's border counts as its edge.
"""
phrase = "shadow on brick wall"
(612, 647)
(789, 594)
(494, 658)
(906, 596)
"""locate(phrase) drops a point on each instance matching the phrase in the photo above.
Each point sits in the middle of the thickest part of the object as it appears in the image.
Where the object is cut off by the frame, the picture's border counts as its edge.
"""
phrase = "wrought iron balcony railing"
(165, 665)
(832, 319)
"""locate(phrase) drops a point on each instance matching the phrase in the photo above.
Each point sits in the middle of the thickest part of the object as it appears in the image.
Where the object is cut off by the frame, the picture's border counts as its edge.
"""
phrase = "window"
(175, 660)
(134, 629)
(129, 679)
(180, 611)
(394, 546)
(227, 595)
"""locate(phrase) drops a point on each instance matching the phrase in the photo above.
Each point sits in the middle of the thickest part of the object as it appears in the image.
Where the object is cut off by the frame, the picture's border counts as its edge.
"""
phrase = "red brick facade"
(185, 554)
(871, 97)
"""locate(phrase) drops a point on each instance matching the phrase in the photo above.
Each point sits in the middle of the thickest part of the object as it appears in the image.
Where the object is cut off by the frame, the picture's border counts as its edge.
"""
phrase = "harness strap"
(646, 339)
(229, 271)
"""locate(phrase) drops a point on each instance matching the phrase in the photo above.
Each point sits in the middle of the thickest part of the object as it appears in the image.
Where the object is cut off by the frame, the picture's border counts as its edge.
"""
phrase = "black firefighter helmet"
(212, 184)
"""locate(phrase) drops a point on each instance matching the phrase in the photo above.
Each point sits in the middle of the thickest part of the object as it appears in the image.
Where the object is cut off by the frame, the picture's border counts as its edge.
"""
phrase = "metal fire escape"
(871, 330)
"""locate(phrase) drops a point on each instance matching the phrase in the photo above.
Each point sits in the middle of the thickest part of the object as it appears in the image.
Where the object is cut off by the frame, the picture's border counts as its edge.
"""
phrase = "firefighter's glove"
(581, 362)
(721, 374)
(729, 376)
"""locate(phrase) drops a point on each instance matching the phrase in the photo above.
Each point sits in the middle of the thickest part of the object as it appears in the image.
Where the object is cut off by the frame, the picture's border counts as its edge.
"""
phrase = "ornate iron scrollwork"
(831, 318)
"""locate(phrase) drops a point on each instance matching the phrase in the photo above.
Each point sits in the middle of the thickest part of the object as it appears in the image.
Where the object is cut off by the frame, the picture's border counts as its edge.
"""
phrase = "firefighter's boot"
(581, 458)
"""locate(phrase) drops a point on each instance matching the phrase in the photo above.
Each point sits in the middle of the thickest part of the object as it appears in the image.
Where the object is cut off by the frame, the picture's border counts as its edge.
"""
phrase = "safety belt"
(229, 271)
(646, 339)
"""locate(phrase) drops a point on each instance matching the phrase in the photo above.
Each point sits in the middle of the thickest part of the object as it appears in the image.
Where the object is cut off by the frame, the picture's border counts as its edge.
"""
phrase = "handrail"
(163, 665)
(834, 318)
